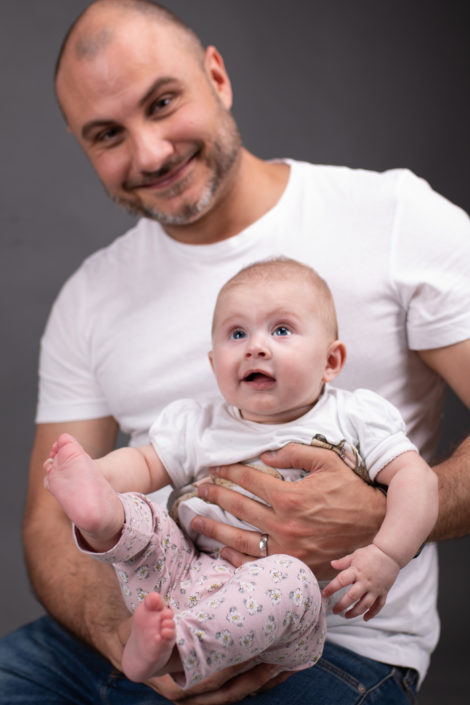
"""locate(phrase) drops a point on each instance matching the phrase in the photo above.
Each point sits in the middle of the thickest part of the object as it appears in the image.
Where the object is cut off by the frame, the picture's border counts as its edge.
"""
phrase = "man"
(151, 109)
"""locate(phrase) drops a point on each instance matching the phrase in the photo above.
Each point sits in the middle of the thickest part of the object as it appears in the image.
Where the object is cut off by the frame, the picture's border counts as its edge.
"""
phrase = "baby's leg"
(269, 611)
(85, 496)
(150, 651)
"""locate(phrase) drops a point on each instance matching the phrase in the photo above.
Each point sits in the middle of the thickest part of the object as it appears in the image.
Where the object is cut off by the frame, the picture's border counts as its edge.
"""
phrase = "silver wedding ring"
(263, 546)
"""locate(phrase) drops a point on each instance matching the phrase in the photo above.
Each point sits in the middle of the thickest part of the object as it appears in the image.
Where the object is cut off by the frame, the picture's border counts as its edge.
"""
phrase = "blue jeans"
(41, 664)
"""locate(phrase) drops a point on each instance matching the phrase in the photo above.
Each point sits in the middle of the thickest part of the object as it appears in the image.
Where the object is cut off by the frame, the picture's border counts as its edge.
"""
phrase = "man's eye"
(238, 334)
(160, 104)
(281, 330)
(108, 135)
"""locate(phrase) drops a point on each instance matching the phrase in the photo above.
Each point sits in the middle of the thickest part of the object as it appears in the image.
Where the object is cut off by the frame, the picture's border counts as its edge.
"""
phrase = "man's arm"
(78, 591)
(83, 594)
(452, 363)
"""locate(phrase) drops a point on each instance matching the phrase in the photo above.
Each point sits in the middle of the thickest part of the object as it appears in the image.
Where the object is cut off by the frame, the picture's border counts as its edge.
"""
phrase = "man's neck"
(256, 186)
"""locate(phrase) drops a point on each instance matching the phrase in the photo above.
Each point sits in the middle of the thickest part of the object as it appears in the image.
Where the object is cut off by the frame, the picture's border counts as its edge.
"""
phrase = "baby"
(274, 352)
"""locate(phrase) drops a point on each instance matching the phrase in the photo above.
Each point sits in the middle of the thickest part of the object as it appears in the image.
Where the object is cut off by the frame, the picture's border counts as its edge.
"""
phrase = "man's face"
(154, 121)
(271, 349)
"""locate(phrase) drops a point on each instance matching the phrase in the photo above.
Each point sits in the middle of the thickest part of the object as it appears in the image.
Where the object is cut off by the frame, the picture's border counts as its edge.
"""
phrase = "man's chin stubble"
(187, 213)
(220, 162)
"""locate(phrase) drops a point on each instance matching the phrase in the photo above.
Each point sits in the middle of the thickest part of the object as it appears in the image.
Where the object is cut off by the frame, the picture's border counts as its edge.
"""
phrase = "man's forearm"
(79, 592)
(454, 495)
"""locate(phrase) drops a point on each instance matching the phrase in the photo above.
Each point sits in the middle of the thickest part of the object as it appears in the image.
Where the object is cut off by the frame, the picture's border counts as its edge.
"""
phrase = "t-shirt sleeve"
(379, 428)
(431, 265)
(173, 436)
(68, 388)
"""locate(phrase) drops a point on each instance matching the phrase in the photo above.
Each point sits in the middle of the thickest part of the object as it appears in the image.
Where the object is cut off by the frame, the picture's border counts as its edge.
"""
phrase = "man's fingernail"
(203, 491)
(197, 524)
(215, 471)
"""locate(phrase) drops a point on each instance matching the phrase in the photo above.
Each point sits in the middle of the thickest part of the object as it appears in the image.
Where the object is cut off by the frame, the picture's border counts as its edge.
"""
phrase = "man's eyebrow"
(88, 127)
(156, 85)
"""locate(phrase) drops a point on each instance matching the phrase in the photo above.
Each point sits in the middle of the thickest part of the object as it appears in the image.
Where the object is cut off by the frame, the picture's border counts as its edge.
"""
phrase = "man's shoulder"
(347, 176)
(126, 248)
(105, 271)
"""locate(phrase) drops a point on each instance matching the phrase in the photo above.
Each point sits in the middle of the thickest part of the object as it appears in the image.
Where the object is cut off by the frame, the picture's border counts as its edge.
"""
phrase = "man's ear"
(218, 76)
(211, 359)
(335, 360)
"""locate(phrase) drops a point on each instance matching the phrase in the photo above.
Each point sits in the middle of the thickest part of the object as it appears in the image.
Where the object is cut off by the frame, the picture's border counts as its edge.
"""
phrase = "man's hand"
(227, 686)
(329, 513)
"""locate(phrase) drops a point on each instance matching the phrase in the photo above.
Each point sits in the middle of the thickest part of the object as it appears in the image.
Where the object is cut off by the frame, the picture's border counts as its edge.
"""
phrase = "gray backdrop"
(356, 82)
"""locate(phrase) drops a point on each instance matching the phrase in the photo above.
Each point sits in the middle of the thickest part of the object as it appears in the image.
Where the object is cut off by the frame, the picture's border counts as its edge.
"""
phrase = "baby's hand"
(371, 573)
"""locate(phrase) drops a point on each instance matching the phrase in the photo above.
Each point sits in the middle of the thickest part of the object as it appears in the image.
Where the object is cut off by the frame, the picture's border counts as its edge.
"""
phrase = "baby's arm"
(134, 470)
(412, 506)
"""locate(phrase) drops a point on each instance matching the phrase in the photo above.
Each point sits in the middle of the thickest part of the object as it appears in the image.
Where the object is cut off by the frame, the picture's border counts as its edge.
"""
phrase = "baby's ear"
(211, 359)
(335, 360)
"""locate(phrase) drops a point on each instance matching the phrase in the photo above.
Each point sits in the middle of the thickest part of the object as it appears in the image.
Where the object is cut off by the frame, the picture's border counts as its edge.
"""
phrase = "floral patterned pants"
(269, 610)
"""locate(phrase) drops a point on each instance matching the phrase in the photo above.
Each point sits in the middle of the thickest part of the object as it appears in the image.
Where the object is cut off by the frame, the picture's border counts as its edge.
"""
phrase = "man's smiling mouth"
(165, 176)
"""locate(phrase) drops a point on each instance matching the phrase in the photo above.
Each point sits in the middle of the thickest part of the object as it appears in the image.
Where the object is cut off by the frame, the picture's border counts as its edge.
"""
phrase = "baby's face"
(271, 349)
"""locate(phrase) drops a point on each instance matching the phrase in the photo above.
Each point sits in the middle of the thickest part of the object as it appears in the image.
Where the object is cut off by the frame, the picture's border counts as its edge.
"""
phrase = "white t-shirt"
(192, 436)
(130, 331)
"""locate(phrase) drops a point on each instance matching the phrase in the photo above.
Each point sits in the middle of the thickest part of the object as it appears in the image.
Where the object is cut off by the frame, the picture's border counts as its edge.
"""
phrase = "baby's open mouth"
(259, 378)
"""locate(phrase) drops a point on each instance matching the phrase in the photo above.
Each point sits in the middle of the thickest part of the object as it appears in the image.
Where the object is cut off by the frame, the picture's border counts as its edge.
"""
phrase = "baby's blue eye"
(238, 334)
(281, 330)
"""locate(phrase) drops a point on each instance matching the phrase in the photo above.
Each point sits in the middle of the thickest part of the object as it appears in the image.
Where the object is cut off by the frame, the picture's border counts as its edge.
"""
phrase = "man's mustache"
(149, 177)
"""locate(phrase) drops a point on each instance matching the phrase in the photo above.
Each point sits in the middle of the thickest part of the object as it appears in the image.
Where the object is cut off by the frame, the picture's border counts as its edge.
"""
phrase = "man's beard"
(219, 159)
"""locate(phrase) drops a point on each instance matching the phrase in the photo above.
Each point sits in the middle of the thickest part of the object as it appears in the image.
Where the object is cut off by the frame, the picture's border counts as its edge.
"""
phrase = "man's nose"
(151, 149)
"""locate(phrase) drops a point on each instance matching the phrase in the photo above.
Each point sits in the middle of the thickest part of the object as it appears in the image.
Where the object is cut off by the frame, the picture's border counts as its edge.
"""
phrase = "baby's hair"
(285, 268)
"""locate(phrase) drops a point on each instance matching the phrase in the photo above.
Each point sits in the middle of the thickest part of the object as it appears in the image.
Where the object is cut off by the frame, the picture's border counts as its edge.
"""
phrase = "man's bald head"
(95, 28)
(151, 109)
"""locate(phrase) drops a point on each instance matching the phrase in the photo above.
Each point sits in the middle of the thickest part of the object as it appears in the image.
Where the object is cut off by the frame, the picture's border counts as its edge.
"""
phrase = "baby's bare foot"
(149, 649)
(85, 495)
